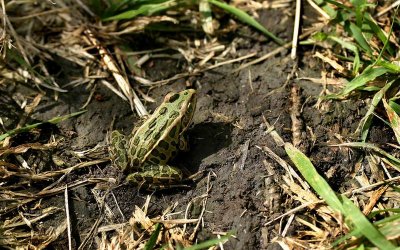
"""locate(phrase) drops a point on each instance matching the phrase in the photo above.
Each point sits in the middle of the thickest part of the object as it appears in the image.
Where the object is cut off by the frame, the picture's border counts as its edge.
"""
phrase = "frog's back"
(157, 140)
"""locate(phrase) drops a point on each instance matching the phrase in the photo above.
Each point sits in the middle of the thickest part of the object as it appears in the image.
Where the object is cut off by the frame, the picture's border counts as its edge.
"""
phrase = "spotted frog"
(144, 154)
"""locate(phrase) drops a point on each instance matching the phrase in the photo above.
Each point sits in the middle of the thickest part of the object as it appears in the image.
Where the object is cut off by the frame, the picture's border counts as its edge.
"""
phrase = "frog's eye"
(171, 97)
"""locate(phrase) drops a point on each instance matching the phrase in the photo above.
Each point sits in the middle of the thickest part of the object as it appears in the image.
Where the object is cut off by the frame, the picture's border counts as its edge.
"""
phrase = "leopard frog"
(144, 154)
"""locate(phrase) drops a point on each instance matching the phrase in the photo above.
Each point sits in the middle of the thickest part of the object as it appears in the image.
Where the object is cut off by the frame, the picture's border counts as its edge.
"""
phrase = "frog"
(144, 154)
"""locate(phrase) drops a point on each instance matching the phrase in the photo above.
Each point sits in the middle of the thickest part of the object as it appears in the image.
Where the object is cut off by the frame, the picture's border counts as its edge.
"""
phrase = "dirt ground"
(228, 123)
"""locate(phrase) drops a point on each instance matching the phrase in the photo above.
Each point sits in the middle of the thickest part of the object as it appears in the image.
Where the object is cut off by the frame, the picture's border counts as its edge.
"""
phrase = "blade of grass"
(358, 36)
(343, 205)
(366, 76)
(151, 243)
(365, 123)
(350, 46)
(35, 125)
(308, 171)
(368, 20)
(373, 148)
(209, 243)
(394, 217)
(244, 17)
(391, 67)
(387, 39)
(144, 9)
(395, 106)
(14, 55)
(328, 9)
(340, 5)
(360, 222)
(383, 223)
(394, 120)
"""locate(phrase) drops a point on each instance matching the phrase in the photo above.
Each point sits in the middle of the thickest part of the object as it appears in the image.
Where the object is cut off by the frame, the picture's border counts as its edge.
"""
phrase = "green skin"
(144, 154)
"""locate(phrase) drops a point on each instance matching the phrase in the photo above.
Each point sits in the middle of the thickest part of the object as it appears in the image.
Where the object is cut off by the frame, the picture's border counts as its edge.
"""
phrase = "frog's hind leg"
(156, 177)
(118, 151)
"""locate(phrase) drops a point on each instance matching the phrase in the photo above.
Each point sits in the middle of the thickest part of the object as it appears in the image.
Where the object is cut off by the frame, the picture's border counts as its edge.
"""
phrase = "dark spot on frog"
(156, 136)
(153, 122)
(173, 98)
(136, 140)
(172, 132)
(142, 152)
(163, 157)
(147, 134)
(163, 145)
(173, 115)
(135, 162)
(163, 110)
(154, 160)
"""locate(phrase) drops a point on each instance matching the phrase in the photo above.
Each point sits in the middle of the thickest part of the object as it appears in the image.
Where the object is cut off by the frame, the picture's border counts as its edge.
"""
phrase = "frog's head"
(185, 102)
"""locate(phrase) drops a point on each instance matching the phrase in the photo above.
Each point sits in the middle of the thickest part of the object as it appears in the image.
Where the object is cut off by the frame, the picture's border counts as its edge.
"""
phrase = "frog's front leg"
(118, 150)
(156, 177)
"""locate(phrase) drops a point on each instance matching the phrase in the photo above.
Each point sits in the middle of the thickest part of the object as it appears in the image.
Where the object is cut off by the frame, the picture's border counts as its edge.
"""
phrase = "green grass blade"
(378, 32)
(387, 40)
(145, 9)
(365, 123)
(244, 17)
(340, 5)
(35, 125)
(352, 47)
(395, 217)
(343, 205)
(374, 148)
(308, 171)
(383, 225)
(360, 222)
(328, 9)
(395, 106)
(13, 55)
(209, 243)
(394, 120)
(391, 67)
(117, 5)
(151, 243)
(358, 36)
(366, 76)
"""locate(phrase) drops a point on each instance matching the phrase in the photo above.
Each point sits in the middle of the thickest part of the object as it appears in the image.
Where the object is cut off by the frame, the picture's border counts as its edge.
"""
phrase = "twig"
(295, 116)
(68, 217)
(85, 8)
(317, 8)
(17, 40)
(393, 5)
(296, 29)
(108, 61)
(288, 223)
